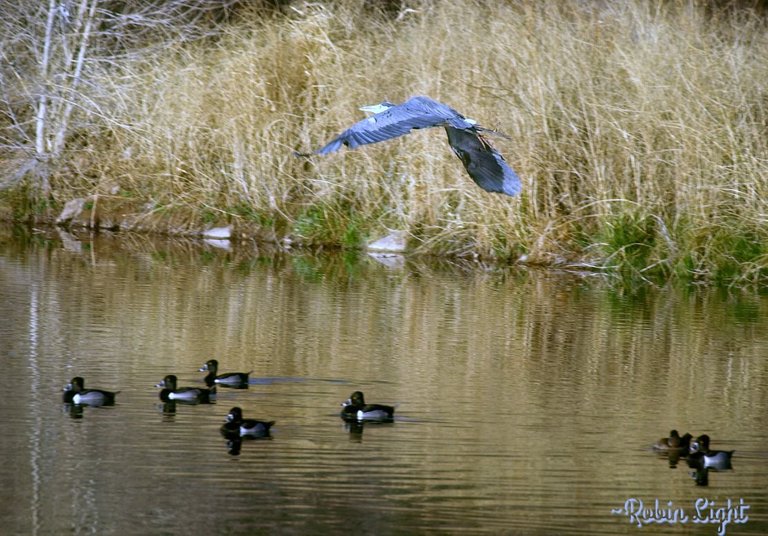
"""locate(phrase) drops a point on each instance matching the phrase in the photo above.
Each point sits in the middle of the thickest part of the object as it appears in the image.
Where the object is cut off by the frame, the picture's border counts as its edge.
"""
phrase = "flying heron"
(483, 162)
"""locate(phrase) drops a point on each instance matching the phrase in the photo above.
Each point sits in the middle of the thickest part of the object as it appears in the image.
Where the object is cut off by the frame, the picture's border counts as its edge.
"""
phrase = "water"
(526, 401)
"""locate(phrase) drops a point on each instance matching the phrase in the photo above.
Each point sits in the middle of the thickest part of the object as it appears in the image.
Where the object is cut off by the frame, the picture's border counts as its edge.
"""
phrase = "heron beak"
(374, 108)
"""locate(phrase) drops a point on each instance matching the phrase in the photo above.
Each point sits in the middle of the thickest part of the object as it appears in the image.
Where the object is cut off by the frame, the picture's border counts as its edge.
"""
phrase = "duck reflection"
(234, 444)
(700, 475)
(169, 407)
(673, 457)
(356, 428)
(75, 410)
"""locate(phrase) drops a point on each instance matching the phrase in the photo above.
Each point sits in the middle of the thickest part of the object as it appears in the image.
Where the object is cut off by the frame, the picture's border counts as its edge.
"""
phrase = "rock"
(72, 210)
(219, 233)
(394, 242)
(219, 244)
(70, 242)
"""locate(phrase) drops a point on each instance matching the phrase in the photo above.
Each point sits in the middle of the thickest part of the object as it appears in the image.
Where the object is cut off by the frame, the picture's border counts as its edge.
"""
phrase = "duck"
(236, 425)
(355, 408)
(674, 442)
(230, 379)
(184, 394)
(700, 454)
(76, 393)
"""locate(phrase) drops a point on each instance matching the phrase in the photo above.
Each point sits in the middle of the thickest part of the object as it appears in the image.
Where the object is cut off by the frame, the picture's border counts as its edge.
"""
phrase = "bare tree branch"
(57, 51)
(42, 106)
(58, 144)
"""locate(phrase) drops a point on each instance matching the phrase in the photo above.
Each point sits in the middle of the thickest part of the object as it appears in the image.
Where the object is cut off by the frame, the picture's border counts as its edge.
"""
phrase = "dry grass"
(639, 130)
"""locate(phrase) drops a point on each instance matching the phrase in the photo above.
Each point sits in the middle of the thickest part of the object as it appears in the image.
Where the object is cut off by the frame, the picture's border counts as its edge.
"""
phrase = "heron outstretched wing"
(483, 162)
(398, 120)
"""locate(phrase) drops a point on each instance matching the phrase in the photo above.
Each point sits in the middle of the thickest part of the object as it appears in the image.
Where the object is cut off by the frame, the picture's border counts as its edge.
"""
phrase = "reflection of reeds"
(504, 376)
(639, 132)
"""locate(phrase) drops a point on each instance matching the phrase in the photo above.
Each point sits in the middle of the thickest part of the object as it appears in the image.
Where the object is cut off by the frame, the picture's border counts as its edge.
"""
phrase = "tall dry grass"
(639, 130)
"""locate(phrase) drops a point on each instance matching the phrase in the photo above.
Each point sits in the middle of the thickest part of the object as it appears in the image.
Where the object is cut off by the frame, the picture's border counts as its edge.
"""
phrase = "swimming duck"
(356, 409)
(244, 427)
(184, 394)
(701, 454)
(674, 442)
(230, 379)
(75, 393)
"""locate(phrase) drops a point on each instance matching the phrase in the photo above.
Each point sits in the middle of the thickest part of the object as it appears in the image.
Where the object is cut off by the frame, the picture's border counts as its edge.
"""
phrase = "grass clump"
(635, 245)
(325, 224)
(639, 130)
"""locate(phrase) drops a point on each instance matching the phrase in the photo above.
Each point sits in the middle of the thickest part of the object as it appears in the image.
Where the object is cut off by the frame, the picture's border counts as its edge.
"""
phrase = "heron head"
(377, 108)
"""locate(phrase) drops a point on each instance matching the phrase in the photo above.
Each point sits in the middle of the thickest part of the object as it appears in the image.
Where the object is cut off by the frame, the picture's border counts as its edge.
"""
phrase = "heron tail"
(333, 146)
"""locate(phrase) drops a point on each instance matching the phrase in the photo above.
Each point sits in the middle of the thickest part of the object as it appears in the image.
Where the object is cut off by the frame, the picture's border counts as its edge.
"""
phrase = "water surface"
(526, 401)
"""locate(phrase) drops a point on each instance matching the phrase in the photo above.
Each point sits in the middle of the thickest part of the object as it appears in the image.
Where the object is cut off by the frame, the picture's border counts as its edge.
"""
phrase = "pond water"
(527, 401)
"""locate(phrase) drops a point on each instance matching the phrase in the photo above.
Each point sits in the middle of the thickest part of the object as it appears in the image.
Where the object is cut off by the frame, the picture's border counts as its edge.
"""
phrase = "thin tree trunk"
(42, 105)
(64, 124)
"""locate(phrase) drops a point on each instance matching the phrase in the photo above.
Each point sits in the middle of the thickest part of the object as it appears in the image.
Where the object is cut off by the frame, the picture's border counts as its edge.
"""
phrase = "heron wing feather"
(483, 162)
(399, 120)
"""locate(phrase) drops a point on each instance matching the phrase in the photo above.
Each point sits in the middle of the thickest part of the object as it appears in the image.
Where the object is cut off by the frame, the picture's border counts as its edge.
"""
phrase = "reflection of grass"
(307, 268)
(639, 132)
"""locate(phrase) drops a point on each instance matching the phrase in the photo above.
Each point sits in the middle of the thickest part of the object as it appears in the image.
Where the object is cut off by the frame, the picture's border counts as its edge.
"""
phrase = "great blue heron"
(482, 161)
